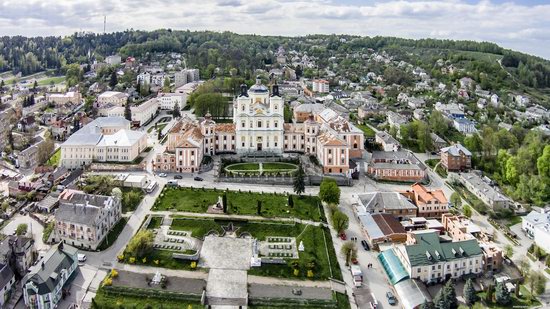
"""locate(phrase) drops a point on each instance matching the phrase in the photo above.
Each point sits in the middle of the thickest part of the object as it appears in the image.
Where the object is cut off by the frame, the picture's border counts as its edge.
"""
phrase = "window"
(243, 124)
(192, 152)
(259, 124)
(276, 124)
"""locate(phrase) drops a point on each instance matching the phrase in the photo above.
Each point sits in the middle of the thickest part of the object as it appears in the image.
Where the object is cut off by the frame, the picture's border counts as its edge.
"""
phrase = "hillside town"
(130, 179)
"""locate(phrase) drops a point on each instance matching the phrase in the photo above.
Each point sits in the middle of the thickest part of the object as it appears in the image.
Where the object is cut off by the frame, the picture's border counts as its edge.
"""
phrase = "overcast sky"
(520, 25)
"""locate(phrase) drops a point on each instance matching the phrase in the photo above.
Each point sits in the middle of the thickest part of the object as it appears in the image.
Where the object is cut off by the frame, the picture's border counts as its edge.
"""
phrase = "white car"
(162, 175)
(81, 258)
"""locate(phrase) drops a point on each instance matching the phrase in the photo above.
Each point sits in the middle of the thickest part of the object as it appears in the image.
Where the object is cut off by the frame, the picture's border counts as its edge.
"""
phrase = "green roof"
(431, 249)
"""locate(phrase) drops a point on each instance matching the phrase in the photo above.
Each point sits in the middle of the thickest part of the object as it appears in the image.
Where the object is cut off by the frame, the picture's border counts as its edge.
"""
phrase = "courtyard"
(261, 168)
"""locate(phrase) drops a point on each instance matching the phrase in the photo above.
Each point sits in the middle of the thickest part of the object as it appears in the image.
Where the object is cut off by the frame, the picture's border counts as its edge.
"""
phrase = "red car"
(343, 236)
(354, 261)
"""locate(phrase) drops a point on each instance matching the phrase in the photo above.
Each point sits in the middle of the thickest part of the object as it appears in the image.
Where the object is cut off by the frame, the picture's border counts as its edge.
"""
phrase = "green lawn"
(366, 130)
(267, 166)
(154, 223)
(242, 203)
(521, 302)
(105, 301)
(471, 199)
(197, 226)
(54, 159)
(113, 234)
(243, 167)
(48, 81)
(164, 258)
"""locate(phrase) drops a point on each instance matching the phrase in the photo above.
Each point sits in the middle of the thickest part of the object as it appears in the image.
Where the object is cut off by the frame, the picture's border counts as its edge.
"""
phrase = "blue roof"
(393, 267)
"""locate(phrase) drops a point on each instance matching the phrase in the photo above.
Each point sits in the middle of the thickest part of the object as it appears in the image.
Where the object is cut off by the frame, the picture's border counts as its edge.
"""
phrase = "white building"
(106, 139)
(43, 285)
(320, 85)
(168, 100)
(113, 98)
(538, 217)
(84, 220)
(144, 78)
(258, 119)
(387, 141)
(482, 189)
(186, 76)
(464, 125)
(113, 60)
(144, 112)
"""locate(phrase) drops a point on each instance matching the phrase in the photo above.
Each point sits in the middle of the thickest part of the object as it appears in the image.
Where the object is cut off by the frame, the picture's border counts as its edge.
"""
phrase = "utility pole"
(104, 23)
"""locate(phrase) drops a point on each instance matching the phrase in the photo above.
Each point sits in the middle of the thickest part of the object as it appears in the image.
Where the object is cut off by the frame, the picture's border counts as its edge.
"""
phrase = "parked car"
(365, 245)
(81, 258)
(197, 178)
(391, 298)
(178, 177)
(162, 175)
(343, 236)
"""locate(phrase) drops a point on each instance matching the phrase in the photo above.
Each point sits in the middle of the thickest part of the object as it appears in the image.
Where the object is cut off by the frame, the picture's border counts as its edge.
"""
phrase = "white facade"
(106, 139)
(168, 100)
(258, 119)
(113, 60)
(144, 78)
(145, 111)
(186, 76)
(320, 85)
(112, 97)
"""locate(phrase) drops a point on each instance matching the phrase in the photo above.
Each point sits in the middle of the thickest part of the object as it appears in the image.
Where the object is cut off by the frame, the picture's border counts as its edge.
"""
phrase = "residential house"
(464, 125)
(7, 284)
(18, 252)
(430, 203)
(112, 98)
(169, 100)
(416, 103)
(43, 285)
(432, 258)
(490, 195)
(460, 228)
(113, 60)
(62, 99)
(396, 166)
(456, 158)
(381, 228)
(145, 112)
(388, 142)
(84, 220)
(419, 114)
(437, 141)
(391, 203)
(302, 112)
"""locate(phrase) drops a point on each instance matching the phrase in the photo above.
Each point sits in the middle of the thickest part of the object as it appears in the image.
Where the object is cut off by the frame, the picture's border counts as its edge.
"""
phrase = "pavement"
(33, 227)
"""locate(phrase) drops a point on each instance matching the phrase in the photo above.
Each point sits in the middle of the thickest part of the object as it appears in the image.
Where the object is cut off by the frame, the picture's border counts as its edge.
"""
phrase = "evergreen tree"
(489, 293)
(290, 201)
(114, 79)
(10, 138)
(128, 112)
(159, 135)
(469, 293)
(450, 295)
(224, 202)
(299, 181)
(259, 208)
(427, 305)
(176, 113)
(502, 296)
(2, 85)
(34, 86)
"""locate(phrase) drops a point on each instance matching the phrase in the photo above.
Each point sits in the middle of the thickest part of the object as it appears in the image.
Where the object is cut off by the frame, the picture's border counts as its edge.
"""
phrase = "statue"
(219, 203)
(301, 246)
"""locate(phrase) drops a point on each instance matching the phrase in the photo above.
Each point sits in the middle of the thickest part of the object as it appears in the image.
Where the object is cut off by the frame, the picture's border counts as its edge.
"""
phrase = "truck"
(357, 275)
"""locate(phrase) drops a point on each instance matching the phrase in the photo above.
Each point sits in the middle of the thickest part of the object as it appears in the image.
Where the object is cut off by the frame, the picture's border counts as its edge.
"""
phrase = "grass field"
(266, 167)
(105, 301)
(366, 129)
(50, 80)
(242, 203)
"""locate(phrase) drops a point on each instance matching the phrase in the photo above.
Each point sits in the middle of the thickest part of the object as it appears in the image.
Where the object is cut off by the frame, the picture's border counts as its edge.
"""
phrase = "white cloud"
(511, 24)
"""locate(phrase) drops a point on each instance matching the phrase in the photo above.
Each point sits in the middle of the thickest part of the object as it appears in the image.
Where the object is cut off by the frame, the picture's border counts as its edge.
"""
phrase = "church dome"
(258, 87)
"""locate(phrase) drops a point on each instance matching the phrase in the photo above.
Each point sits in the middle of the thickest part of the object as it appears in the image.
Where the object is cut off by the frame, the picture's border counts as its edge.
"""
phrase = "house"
(460, 228)
(320, 86)
(84, 220)
(302, 112)
(450, 110)
(431, 258)
(537, 217)
(437, 141)
(466, 82)
(381, 228)
(113, 60)
(27, 123)
(396, 166)
(421, 223)
(391, 203)
(387, 141)
(43, 285)
(456, 158)
(105, 139)
(62, 99)
(430, 203)
(18, 252)
(416, 103)
(464, 125)
(145, 112)
(418, 114)
(491, 196)
(495, 100)
(169, 100)
(113, 98)
(7, 284)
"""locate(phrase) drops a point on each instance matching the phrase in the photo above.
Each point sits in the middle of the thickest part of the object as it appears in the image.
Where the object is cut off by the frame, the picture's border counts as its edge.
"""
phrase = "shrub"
(310, 273)
(120, 258)
(114, 273)
(132, 260)
(296, 272)
(107, 282)
(193, 265)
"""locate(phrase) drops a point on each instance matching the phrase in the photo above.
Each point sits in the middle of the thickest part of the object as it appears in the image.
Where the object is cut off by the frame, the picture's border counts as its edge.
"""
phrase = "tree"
(340, 221)
(141, 244)
(117, 193)
(467, 210)
(502, 295)
(46, 148)
(21, 229)
(299, 181)
(348, 250)
(113, 81)
(166, 85)
(456, 200)
(438, 123)
(489, 293)
(291, 202)
(176, 112)
(329, 191)
(446, 297)
(543, 163)
(469, 293)
(224, 202)
(512, 170)
(509, 251)
(127, 112)
(524, 267)
(10, 138)
(427, 305)
(259, 208)
(536, 282)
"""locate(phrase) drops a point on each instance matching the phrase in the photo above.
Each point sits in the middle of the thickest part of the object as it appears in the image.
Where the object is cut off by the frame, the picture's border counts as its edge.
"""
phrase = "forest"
(245, 53)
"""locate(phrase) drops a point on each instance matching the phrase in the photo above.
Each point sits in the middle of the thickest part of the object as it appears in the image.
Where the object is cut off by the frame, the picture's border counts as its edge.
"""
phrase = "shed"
(135, 181)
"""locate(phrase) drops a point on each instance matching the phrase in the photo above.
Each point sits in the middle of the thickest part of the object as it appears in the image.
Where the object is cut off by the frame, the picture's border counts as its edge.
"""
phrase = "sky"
(522, 25)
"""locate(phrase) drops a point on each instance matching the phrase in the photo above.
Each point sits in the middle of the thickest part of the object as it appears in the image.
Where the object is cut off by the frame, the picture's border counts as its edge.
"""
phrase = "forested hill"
(247, 52)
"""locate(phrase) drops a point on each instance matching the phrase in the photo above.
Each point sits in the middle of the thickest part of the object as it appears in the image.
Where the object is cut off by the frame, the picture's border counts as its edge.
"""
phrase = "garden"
(104, 185)
(272, 205)
(265, 168)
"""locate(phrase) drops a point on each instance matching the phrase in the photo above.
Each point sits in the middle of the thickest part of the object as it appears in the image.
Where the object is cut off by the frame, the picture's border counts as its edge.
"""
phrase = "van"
(172, 183)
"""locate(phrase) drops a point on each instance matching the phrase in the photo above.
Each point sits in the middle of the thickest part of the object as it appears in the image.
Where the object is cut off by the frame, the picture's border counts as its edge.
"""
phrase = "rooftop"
(379, 201)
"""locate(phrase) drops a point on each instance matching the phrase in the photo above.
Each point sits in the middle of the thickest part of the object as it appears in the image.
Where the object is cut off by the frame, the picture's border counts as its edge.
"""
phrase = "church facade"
(258, 127)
